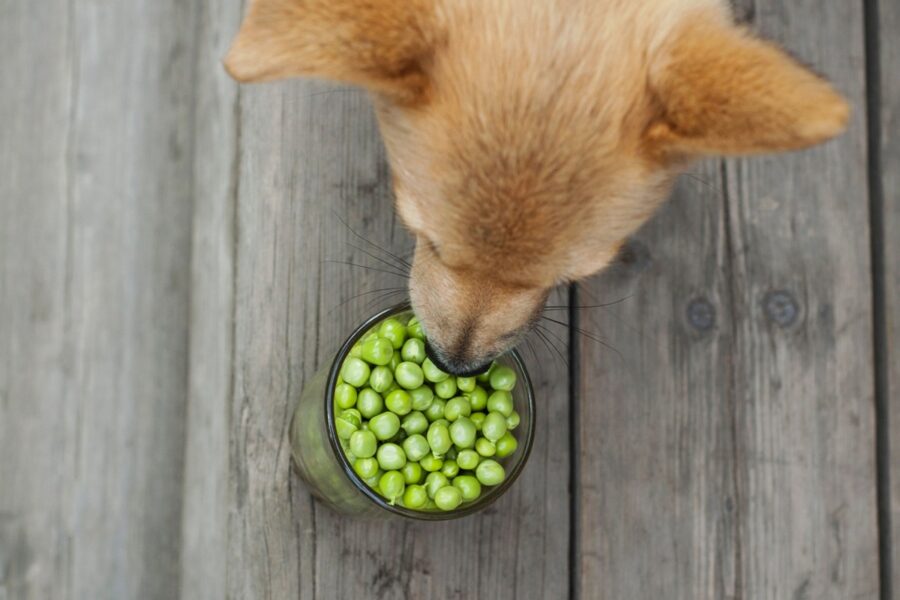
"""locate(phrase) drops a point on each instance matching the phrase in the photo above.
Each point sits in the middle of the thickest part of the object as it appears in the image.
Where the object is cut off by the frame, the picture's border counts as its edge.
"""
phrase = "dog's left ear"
(379, 44)
(719, 90)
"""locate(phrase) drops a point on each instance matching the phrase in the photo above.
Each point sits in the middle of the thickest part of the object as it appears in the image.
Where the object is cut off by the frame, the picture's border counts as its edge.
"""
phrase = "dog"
(528, 138)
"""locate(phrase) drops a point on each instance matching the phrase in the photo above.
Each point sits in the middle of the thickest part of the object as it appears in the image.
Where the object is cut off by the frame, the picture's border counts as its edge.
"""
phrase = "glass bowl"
(322, 464)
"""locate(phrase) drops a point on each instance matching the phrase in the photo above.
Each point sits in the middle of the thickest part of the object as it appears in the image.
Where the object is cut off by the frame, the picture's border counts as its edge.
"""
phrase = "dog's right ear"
(379, 44)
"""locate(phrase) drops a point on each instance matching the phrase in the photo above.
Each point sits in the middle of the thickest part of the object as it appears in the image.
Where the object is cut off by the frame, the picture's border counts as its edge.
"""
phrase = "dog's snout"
(455, 365)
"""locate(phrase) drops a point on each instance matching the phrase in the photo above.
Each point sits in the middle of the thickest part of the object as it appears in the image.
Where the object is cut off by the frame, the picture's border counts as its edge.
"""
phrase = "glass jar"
(321, 462)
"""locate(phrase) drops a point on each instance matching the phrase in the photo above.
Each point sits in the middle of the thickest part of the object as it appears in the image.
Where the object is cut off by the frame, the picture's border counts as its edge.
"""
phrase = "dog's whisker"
(382, 298)
(587, 306)
(583, 332)
(370, 242)
(542, 332)
(396, 266)
(370, 268)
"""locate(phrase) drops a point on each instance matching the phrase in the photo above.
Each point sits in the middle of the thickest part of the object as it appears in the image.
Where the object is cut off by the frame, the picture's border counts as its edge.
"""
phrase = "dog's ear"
(721, 91)
(379, 44)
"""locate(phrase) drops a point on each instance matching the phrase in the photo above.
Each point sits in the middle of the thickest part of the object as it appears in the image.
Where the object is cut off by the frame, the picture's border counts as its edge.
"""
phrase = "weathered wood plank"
(96, 204)
(204, 517)
(657, 514)
(889, 20)
(310, 156)
(734, 457)
(805, 390)
(35, 426)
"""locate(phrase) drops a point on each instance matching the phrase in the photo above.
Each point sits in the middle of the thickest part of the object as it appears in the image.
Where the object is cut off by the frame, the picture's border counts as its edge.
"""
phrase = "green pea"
(450, 468)
(430, 505)
(490, 472)
(500, 401)
(503, 378)
(434, 482)
(463, 433)
(494, 426)
(416, 447)
(384, 426)
(398, 402)
(391, 457)
(512, 420)
(486, 376)
(445, 389)
(478, 419)
(468, 459)
(413, 351)
(352, 415)
(469, 486)
(478, 398)
(396, 360)
(363, 444)
(355, 372)
(436, 410)
(392, 485)
(506, 445)
(409, 375)
(345, 446)
(444, 421)
(412, 472)
(451, 454)
(456, 408)
(465, 384)
(421, 397)
(431, 463)
(344, 395)
(356, 350)
(485, 447)
(432, 373)
(448, 498)
(415, 497)
(439, 439)
(394, 331)
(414, 329)
(414, 422)
(377, 351)
(369, 403)
(381, 379)
(346, 425)
(366, 467)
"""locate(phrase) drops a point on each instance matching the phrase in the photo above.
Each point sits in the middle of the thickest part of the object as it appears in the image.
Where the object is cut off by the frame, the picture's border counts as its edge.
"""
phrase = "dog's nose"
(455, 365)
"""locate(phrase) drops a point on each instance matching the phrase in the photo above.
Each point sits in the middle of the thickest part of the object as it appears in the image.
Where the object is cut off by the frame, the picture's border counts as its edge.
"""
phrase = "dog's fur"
(528, 139)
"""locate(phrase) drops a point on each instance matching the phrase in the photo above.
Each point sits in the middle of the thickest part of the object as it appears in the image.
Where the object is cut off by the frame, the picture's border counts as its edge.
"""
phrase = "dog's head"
(528, 139)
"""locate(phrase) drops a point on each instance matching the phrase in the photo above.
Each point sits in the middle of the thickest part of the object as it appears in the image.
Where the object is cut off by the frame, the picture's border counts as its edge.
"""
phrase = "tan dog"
(528, 138)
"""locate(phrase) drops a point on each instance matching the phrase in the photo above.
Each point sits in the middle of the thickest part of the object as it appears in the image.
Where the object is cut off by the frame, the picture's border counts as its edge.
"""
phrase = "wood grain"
(889, 121)
(657, 500)
(734, 458)
(204, 515)
(96, 217)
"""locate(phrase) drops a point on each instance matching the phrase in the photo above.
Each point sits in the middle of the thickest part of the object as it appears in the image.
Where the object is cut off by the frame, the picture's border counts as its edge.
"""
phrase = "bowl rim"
(465, 509)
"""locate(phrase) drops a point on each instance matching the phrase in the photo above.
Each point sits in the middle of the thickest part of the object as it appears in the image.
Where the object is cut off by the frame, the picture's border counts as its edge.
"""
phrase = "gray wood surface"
(310, 157)
(205, 510)
(734, 457)
(171, 252)
(889, 20)
(95, 198)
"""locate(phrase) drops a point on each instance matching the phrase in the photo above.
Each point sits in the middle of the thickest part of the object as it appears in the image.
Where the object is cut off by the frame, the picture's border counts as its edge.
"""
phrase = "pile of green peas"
(419, 437)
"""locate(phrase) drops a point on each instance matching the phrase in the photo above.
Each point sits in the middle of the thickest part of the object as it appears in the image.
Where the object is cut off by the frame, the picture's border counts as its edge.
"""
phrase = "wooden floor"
(173, 268)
